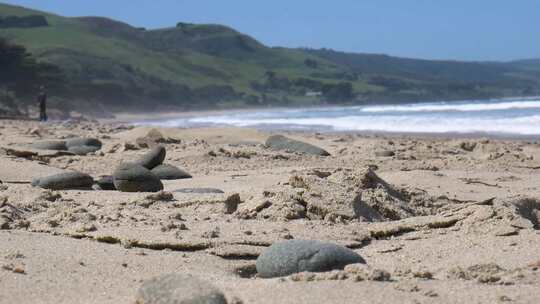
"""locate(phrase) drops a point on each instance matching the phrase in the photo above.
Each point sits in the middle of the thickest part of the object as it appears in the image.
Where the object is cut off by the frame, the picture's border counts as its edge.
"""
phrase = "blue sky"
(433, 29)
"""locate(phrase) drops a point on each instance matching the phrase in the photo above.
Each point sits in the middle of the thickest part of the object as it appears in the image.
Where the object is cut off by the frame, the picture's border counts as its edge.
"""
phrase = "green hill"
(113, 65)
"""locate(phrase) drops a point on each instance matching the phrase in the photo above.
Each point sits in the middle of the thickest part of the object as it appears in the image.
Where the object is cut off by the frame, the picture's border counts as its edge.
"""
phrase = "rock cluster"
(146, 173)
(143, 175)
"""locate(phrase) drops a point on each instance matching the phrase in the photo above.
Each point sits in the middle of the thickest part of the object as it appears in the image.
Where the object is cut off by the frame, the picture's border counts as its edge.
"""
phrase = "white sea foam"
(436, 107)
(503, 117)
(528, 125)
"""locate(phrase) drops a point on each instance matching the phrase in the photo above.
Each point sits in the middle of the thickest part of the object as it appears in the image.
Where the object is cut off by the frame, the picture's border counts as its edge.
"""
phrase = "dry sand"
(453, 225)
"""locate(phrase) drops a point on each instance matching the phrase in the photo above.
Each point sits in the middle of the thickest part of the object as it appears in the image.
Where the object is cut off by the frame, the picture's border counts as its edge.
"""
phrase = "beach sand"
(457, 220)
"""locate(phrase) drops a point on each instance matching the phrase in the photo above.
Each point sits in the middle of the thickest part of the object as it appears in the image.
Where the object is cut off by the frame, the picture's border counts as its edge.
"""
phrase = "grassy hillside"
(113, 65)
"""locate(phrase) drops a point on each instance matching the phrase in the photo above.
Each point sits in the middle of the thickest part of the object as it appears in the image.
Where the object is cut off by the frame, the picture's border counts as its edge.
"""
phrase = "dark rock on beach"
(129, 177)
(83, 150)
(106, 183)
(91, 142)
(179, 289)
(286, 258)
(169, 172)
(280, 142)
(468, 146)
(231, 203)
(152, 159)
(57, 145)
(64, 181)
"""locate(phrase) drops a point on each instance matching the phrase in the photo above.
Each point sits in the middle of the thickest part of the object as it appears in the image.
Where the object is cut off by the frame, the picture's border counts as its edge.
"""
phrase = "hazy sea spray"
(518, 116)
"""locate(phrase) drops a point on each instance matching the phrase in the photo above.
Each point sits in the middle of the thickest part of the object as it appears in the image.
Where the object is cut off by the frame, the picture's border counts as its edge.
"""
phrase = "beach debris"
(483, 273)
(153, 138)
(9, 214)
(153, 158)
(280, 142)
(130, 177)
(178, 288)
(231, 203)
(170, 172)
(468, 146)
(164, 196)
(529, 209)
(50, 196)
(23, 153)
(127, 146)
(385, 153)
(199, 191)
(293, 256)
(64, 181)
(211, 234)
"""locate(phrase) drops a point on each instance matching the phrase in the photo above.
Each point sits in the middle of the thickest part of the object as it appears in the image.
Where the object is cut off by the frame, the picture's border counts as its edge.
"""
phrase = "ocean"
(519, 116)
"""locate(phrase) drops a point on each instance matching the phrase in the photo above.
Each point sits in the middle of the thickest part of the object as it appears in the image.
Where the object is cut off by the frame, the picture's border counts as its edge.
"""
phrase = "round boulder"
(169, 172)
(289, 257)
(152, 159)
(83, 150)
(91, 142)
(130, 177)
(179, 289)
(64, 181)
(57, 145)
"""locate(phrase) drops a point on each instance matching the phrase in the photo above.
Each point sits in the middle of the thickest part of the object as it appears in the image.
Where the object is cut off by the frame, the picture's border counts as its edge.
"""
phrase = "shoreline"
(131, 118)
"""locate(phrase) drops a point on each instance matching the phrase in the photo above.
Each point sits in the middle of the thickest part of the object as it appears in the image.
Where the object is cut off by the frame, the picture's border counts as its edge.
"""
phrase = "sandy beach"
(437, 220)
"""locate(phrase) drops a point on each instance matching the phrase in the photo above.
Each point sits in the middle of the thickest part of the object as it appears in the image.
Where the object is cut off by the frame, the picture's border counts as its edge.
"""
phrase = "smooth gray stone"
(129, 177)
(64, 181)
(280, 142)
(152, 159)
(93, 142)
(200, 190)
(179, 289)
(288, 257)
(57, 145)
(169, 172)
(83, 150)
(106, 183)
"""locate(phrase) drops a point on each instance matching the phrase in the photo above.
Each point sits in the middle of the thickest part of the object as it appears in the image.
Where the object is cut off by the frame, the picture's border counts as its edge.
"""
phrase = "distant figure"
(42, 102)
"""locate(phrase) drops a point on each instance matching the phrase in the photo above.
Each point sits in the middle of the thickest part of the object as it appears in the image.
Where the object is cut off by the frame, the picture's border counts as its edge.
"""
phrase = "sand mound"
(343, 195)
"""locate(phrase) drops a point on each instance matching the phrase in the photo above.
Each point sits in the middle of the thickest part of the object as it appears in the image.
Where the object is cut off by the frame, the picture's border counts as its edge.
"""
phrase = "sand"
(457, 219)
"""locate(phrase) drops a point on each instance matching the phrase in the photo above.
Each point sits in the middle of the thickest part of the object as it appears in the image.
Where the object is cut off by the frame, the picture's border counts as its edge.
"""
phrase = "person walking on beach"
(42, 102)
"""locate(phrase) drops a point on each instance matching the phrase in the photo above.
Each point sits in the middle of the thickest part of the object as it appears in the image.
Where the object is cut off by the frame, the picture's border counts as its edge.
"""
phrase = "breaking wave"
(499, 117)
